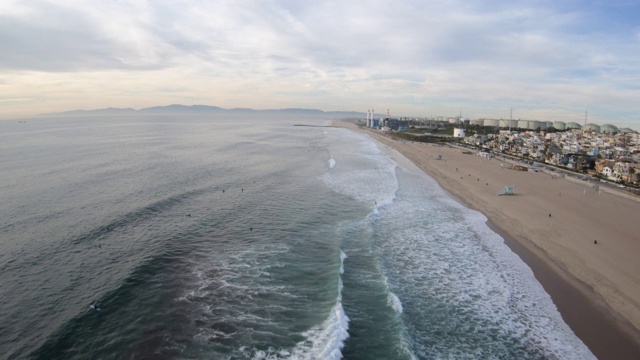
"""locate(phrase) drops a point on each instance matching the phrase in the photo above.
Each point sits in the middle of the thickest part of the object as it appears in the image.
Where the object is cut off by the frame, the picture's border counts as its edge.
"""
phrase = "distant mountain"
(199, 109)
(107, 111)
(177, 108)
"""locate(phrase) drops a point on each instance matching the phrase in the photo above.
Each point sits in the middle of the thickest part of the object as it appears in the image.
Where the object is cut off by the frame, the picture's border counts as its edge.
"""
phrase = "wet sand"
(552, 223)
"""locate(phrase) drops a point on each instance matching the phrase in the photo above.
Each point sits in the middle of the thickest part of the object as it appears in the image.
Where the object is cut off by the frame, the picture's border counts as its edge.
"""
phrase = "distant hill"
(176, 109)
(106, 111)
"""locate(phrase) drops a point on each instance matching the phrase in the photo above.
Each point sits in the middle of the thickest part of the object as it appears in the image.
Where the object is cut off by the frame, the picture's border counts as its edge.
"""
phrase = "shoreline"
(565, 262)
(588, 318)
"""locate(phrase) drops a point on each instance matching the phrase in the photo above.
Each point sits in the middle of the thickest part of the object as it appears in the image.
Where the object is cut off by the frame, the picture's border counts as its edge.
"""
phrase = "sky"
(546, 60)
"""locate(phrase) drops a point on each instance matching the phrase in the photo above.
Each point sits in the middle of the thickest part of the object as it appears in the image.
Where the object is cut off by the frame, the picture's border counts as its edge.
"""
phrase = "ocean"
(248, 237)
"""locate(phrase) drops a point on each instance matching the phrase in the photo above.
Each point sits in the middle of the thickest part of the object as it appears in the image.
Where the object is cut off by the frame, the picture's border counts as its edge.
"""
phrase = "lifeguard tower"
(508, 190)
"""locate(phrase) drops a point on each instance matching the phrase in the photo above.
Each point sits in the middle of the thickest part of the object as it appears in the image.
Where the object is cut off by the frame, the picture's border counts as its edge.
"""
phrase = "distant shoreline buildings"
(460, 121)
(606, 151)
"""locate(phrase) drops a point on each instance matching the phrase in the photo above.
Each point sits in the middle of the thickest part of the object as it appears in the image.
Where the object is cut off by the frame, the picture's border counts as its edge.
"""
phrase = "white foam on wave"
(445, 254)
(394, 302)
(323, 341)
(327, 339)
(224, 292)
(367, 176)
(343, 256)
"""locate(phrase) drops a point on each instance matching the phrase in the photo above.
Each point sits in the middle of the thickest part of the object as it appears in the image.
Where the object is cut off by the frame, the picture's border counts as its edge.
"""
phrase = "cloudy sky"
(548, 60)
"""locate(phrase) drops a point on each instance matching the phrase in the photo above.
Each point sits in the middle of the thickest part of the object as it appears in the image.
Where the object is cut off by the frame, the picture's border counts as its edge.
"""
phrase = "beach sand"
(552, 222)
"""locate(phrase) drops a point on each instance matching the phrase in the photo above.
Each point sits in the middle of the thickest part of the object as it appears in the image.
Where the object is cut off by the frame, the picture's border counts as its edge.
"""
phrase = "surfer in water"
(94, 306)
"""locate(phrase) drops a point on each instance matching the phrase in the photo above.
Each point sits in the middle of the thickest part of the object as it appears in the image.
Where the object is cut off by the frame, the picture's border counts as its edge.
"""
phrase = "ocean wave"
(394, 302)
(343, 256)
(367, 176)
(469, 293)
(322, 341)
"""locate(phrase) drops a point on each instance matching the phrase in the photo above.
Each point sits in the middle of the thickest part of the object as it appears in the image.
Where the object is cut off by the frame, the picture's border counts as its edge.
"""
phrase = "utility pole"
(585, 118)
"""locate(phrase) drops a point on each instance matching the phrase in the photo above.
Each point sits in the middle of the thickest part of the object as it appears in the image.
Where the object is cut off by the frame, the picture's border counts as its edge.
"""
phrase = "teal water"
(248, 238)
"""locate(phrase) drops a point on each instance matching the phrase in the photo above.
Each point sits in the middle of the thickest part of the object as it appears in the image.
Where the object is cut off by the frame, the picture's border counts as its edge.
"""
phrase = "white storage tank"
(594, 127)
(479, 122)
(491, 122)
(523, 124)
(560, 125)
(573, 125)
(458, 133)
(508, 123)
(609, 129)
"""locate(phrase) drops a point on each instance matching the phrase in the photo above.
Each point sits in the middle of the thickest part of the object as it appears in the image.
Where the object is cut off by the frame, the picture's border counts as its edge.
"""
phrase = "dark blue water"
(233, 238)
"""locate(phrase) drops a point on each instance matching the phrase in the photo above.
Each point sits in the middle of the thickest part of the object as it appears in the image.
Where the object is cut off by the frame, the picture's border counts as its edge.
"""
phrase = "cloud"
(324, 53)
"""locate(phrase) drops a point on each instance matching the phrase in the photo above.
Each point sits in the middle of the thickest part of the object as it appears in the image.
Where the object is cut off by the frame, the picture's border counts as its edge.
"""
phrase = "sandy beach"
(553, 224)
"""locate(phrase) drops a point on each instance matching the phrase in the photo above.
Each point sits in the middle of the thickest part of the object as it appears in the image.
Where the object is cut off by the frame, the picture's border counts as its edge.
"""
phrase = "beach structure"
(508, 190)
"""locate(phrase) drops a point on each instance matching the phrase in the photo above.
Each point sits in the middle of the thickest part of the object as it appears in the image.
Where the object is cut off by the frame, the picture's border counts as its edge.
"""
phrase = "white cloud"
(411, 55)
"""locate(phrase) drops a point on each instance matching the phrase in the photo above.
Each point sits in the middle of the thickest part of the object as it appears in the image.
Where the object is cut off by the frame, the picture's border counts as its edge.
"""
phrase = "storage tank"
(523, 124)
(491, 122)
(534, 124)
(594, 127)
(625, 130)
(609, 129)
(544, 124)
(560, 125)
(508, 123)
(573, 125)
(479, 122)
(458, 133)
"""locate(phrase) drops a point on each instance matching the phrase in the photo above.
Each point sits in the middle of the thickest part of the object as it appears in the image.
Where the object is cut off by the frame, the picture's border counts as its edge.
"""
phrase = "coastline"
(551, 224)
